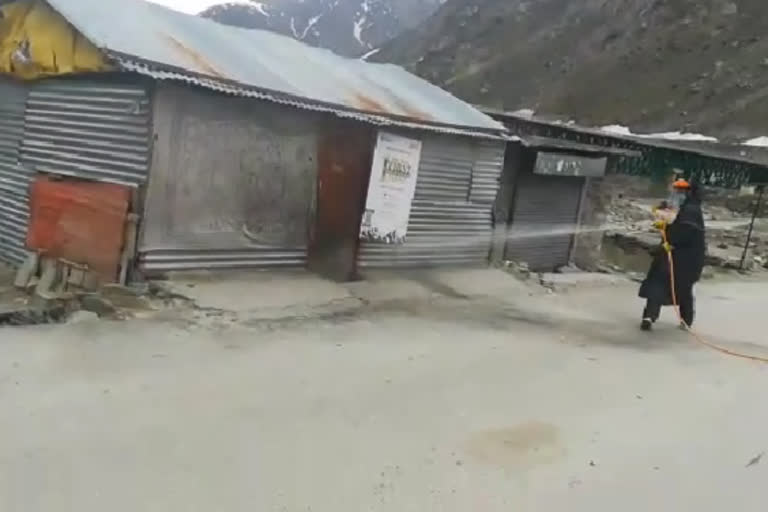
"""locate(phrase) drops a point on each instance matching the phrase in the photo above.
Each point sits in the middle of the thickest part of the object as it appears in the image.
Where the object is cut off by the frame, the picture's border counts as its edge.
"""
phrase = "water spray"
(522, 232)
(574, 229)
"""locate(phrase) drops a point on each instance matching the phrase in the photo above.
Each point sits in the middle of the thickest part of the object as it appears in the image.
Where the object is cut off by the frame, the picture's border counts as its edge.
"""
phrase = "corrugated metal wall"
(232, 184)
(544, 204)
(85, 128)
(190, 259)
(14, 179)
(90, 129)
(489, 161)
(450, 221)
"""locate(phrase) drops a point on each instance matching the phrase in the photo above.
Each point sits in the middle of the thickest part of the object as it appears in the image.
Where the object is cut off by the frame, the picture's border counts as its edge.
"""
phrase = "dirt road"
(519, 401)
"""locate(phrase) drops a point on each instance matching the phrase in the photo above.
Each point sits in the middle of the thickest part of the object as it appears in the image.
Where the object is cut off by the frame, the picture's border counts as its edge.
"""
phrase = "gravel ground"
(516, 400)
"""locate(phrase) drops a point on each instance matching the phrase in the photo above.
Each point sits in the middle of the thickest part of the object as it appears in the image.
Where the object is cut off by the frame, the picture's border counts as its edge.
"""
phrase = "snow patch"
(757, 142)
(616, 129)
(695, 137)
(357, 31)
(262, 8)
(293, 28)
(524, 112)
(678, 136)
(370, 54)
(311, 23)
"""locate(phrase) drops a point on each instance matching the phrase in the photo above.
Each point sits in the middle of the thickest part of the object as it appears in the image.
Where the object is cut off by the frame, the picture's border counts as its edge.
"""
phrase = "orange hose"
(688, 327)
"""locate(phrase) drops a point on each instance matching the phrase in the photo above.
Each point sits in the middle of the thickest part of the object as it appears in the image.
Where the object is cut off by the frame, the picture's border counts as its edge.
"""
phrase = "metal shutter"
(542, 204)
(450, 221)
(96, 130)
(14, 179)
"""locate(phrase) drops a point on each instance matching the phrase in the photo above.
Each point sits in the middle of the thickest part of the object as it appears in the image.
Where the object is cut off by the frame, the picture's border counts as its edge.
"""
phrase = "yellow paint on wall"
(36, 42)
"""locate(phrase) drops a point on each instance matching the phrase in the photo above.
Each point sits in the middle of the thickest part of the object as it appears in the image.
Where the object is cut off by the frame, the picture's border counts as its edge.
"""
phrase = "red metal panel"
(79, 221)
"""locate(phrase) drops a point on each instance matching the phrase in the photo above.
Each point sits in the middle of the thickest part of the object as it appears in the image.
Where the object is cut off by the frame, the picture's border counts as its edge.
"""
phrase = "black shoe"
(647, 324)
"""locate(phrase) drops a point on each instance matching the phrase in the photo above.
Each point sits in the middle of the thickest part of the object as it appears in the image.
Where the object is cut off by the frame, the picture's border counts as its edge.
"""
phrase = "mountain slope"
(656, 65)
(348, 27)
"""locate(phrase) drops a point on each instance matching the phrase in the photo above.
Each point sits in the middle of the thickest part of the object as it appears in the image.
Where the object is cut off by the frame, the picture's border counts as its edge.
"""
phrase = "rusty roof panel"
(282, 99)
(161, 39)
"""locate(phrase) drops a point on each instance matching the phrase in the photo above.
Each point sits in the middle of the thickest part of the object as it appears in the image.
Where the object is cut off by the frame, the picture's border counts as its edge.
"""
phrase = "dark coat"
(686, 236)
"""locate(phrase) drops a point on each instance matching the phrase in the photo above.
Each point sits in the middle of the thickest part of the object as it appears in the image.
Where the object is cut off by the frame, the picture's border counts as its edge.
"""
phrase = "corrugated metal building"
(451, 217)
(245, 148)
(14, 178)
(546, 206)
(716, 164)
(548, 181)
(535, 199)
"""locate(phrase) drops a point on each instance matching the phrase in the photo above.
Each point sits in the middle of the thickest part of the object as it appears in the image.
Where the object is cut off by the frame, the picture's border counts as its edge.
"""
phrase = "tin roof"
(151, 39)
(548, 143)
(732, 152)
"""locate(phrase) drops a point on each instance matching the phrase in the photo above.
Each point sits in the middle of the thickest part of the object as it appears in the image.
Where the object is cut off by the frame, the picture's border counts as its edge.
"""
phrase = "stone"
(27, 271)
(118, 290)
(49, 276)
(126, 297)
(97, 304)
(734, 263)
(82, 316)
(716, 258)
(519, 269)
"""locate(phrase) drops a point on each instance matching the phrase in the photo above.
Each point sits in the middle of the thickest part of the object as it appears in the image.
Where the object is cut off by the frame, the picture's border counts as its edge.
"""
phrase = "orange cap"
(681, 183)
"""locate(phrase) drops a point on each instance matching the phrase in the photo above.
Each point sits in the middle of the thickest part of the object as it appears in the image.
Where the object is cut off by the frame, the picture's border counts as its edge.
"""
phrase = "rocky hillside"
(348, 27)
(655, 65)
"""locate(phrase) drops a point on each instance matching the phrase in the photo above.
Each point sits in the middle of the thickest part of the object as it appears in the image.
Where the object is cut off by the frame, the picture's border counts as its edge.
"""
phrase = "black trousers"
(684, 299)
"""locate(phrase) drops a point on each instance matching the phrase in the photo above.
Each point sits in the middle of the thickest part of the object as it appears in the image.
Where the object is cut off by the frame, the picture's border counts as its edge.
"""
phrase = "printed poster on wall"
(391, 189)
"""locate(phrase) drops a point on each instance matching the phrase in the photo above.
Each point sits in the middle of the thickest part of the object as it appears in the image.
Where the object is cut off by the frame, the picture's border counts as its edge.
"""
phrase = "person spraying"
(683, 233)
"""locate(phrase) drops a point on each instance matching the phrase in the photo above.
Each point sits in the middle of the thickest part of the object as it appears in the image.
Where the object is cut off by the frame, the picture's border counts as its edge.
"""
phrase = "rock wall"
(622, 205)
(587, 245)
